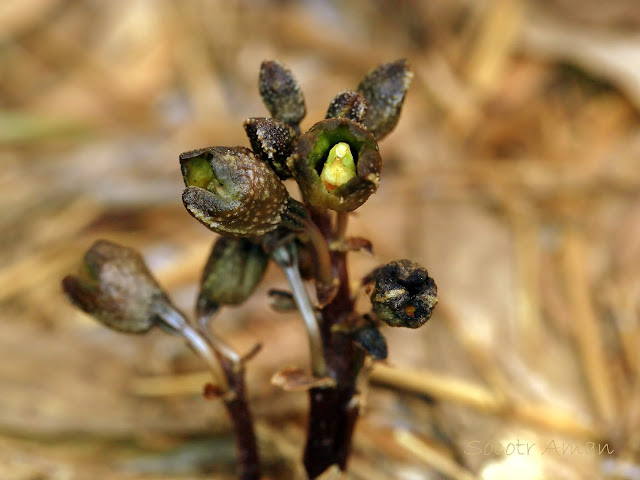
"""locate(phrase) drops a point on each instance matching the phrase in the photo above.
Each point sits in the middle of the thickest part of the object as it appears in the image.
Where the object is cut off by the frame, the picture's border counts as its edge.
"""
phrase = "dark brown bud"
(404, 295)
(116, 287)
(272, 140)
(348, 104)
(234, 269)
(327, 146)
(371, 340)
(384, 89)
(281, 93)
(232, 192)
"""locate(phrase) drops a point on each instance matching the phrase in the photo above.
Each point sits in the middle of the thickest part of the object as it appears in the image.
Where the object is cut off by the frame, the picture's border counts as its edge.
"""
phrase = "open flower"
(116, 287)
(341, 185)
(404, 295)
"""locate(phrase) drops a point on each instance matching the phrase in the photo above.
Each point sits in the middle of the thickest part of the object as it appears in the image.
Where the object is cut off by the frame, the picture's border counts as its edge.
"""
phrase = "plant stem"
(341, 225)
(334, 411)
(248, 458)
(228, 374)
(177, 323)
(235, 401)
(218, 344)
(285, 256)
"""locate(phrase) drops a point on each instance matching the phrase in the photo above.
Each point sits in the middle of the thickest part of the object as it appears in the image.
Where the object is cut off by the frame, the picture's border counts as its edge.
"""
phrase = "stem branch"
(228, 373)
(324, 270)
(176, 321)
(285, 257)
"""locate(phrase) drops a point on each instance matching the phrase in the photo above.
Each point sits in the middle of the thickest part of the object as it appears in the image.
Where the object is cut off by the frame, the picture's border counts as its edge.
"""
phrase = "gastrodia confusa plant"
(238, 193)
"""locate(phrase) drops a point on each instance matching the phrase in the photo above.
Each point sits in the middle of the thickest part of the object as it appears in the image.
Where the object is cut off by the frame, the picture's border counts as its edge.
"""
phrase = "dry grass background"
(513, 176)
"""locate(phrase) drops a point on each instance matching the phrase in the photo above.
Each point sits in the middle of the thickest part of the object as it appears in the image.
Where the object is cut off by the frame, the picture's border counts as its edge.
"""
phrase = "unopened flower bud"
(371, 340)
(272, 140)
(384, 89)
(116, 287)
(348, 104)
(234, 269)
(232, 192)
(348, 182)
(281, 93)
(404, 295)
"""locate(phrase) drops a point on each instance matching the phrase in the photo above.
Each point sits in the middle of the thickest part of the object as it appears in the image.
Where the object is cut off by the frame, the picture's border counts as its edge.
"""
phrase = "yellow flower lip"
(339, 167)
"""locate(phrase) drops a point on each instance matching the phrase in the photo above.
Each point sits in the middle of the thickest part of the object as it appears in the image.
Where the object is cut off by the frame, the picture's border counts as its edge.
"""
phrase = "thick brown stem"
(329, 429)
(333, 412)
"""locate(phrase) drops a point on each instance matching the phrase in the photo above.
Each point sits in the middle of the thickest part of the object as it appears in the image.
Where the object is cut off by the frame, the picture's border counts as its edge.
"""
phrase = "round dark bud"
(371, 340)
(272, 141)
(348, 104)
(404, 295)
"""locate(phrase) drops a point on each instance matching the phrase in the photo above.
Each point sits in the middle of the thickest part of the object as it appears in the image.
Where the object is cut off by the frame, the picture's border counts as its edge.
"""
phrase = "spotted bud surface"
(232, 192)
(348, 104)
(384, 89)
(115, 287)
(273, 141)
(281, 93)
(404, 295)
(310, 156)
(232, 273)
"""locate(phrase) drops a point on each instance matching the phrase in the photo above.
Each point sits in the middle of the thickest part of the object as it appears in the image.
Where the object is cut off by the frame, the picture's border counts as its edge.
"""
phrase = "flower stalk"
(286, 258)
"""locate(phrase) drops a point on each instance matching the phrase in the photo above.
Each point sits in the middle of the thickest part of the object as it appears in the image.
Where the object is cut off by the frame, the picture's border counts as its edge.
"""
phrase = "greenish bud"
(116, 287)
(232, 192)
(348, 152)
(232, 273)
(384, 89)
(339, 167)
(404, 295)
(281, 93)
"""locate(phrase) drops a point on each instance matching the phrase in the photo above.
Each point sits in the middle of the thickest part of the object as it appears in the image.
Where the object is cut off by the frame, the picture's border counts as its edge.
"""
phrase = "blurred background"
(512, 176)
